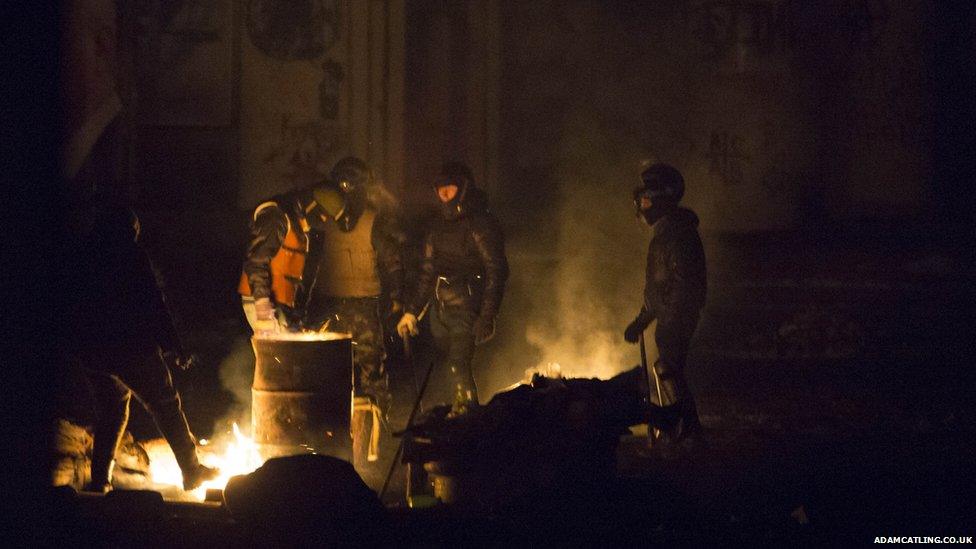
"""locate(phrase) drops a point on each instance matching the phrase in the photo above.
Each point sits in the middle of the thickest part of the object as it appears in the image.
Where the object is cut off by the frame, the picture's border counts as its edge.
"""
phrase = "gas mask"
(651, 205)
(355, 199)
(351, 176)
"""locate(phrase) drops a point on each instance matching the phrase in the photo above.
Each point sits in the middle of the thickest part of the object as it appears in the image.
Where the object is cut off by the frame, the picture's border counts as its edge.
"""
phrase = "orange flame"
(234, 454)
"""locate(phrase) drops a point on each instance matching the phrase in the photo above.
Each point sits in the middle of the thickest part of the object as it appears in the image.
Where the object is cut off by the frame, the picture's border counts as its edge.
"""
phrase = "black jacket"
(675, 279)
(469, 251)
(268, 229)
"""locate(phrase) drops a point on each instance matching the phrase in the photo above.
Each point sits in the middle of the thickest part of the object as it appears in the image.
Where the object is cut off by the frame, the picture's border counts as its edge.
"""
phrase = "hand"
(395, 308)
(265, 319)
(263, 309)
(176, 360)
(634, 330)
(484, 330)
(408, 325)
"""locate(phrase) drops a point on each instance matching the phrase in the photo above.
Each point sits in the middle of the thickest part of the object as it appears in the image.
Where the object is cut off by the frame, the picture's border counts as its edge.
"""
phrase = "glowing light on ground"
(234, 454)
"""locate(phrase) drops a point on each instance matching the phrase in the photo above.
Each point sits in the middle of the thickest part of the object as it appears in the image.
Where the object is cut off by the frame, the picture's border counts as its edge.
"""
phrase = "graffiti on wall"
(292, 29)
(727, 157)
(738, 36)
(301, 149)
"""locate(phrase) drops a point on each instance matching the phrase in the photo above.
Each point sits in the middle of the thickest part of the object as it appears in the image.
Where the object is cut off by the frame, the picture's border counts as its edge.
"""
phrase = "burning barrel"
(302, 394)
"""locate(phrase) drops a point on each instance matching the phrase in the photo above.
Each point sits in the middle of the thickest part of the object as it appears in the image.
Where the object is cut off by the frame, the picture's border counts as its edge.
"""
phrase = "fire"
(302, 336)
(233, 455)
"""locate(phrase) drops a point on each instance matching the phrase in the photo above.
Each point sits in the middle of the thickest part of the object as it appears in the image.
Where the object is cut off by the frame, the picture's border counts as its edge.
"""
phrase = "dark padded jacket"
(468, 251)
(675, 279)
(268, 228)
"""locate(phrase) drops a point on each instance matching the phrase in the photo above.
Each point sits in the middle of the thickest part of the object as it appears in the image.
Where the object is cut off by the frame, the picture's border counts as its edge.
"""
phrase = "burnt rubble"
(550, 433)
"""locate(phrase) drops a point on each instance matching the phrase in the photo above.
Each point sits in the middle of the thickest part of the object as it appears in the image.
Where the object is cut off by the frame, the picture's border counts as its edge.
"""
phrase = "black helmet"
(459, 175)
(454, 173)
(661, 181)
(350, 175)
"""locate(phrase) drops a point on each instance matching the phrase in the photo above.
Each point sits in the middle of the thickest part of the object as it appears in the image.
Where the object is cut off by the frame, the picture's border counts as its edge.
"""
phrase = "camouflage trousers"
(359, 316)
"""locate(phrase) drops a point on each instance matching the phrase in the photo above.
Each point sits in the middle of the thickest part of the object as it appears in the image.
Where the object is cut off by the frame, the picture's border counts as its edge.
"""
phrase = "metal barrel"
(301, 398)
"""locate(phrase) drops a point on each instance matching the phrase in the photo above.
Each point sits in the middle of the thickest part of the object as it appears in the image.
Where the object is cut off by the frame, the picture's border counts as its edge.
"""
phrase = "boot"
(688, 426)
(108, 434)
(195, 475)
(172, 423)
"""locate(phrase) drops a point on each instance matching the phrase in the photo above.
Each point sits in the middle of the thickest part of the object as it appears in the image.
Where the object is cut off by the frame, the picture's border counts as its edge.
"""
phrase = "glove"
(178, 361)
(264, 314)
(634, 330)
(407, 325)
(263, 309)
(484, 330)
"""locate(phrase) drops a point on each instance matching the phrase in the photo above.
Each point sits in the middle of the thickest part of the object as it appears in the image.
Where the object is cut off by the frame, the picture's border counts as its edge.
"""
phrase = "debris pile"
(552, 432)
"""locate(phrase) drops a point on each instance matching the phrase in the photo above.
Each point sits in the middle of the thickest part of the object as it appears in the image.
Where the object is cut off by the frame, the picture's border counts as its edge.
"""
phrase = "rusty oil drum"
(302, 394)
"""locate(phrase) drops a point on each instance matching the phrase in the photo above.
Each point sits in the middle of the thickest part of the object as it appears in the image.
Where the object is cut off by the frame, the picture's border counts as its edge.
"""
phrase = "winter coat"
(276, 256)
(463, 259)
(675, 279)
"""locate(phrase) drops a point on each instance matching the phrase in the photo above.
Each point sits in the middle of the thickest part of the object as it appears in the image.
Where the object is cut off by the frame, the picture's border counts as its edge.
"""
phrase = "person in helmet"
(278, 269)
(674, 289)
(462, 277)
(359, 276)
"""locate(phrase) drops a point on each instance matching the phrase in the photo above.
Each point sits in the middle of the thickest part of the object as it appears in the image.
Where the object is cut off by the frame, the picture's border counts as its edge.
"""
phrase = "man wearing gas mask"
(282, 257)
(359, 277)
(674, 290)
(464, 270)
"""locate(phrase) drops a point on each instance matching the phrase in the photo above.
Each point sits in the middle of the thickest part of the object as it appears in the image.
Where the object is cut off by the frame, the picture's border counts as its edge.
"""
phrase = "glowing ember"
(237, 455)
(302, 336)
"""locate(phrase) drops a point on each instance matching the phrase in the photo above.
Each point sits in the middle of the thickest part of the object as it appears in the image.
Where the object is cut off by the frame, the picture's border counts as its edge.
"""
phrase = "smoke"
(593, 119)
(601, 249)
(236, 375)
(571, 307)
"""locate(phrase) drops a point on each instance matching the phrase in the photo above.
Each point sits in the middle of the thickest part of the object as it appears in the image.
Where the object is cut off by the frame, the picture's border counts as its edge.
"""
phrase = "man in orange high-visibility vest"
(278, 270)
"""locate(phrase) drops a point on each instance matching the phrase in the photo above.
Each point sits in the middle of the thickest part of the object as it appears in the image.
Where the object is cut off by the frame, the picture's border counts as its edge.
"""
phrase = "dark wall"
(808, 119)
(775, 111)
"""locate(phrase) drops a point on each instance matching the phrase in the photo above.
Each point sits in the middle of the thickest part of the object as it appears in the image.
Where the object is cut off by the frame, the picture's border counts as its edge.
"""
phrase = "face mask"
(656, 212)
(659, 206)
(355, 200)
(453, 208)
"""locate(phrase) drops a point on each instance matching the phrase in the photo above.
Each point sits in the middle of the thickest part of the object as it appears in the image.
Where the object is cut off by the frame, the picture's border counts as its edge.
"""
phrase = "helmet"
(459, 175)
(454, 173)
(661, 182)
(664, 187)
(350, 175)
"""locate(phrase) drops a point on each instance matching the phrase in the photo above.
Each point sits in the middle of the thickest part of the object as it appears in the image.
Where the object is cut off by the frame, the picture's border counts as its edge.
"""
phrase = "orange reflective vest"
(287, 267)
